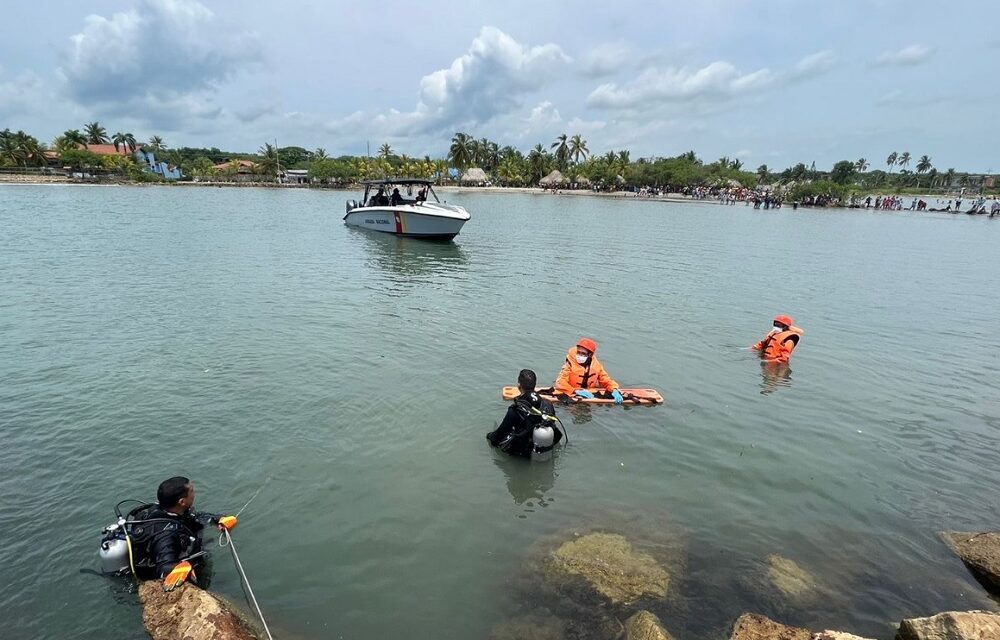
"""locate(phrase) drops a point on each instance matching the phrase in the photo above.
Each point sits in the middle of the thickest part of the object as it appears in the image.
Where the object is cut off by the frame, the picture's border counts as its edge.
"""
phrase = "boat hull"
(406, 221)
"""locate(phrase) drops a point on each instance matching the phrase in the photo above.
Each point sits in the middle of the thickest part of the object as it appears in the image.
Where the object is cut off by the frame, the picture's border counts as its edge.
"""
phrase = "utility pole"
(277, 157)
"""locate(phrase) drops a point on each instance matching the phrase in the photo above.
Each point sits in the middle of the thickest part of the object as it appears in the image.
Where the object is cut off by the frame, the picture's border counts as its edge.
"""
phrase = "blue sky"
(769, 81)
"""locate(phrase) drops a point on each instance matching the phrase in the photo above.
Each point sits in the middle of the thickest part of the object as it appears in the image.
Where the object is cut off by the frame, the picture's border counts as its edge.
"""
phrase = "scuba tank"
(114, 551)
(543, 437)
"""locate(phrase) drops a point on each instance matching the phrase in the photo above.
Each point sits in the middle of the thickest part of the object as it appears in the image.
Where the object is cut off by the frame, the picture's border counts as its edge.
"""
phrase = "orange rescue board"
(632, 396)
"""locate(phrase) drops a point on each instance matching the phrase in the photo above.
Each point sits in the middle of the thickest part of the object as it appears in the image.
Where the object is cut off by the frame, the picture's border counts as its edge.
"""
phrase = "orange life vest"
(778, 347)
(575, 376)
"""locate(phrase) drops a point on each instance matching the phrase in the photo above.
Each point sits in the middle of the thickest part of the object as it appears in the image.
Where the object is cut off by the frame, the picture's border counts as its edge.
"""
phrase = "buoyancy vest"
(779, 346)
(590, 375)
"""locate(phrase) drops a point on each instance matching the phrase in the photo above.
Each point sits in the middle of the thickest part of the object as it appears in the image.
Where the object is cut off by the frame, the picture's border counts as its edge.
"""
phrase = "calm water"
(237, 335)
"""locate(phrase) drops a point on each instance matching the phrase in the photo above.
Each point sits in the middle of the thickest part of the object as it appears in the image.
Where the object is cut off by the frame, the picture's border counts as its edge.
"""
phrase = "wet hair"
(526, 380)
(171, 491)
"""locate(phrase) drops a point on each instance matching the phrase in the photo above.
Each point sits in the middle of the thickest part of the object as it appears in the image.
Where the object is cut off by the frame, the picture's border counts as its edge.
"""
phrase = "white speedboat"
(386, 208)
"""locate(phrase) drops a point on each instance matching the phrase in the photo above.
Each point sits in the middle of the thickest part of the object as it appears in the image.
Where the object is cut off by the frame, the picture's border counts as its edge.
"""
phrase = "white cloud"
(491, 79)
(718, 81)
(605, 59)
(814, 64)
(544, 115)
(911, 55)
(160, 59)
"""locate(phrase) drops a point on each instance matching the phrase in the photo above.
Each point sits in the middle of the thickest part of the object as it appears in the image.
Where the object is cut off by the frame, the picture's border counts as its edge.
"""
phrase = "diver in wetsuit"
(528, 413)
(170, 530)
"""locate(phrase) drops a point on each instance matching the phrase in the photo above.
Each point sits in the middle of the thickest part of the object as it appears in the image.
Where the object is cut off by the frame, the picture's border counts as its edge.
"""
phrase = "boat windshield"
(389, 194)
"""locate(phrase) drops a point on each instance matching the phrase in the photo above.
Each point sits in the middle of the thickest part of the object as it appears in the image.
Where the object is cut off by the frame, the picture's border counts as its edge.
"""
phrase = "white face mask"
(580, 359)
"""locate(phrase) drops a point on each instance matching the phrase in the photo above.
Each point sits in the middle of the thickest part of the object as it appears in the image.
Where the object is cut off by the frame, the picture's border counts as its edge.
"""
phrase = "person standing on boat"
(777, 346)
(528, 428)
(583, 371)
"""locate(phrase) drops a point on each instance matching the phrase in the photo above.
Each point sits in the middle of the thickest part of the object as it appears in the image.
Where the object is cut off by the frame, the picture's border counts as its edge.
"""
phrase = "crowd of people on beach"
(895, 203)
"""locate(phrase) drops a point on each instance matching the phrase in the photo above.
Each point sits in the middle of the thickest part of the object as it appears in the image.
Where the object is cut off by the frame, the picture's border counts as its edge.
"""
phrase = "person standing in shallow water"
(777, 346)
(528, 412)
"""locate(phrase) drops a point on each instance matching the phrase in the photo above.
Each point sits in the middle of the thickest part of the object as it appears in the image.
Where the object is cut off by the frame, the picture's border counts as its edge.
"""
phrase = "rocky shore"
(600, 585)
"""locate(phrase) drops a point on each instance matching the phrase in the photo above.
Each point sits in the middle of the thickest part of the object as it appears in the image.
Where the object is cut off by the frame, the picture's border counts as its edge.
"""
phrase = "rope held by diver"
(243, 575)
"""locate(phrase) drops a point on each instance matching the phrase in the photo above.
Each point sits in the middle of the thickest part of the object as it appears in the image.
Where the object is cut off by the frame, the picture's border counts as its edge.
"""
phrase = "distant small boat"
(385, 208)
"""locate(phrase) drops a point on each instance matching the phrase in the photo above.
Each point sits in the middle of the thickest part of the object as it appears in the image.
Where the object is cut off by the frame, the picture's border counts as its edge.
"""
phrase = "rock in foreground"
(751, 626)
(980, 552)
(609, 563)
(189, 613)
(645, 626)
(953, 625)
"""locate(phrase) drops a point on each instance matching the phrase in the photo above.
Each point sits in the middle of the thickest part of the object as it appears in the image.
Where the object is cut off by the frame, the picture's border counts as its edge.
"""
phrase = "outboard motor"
(352, 205)
(114, 548)
(543, 436)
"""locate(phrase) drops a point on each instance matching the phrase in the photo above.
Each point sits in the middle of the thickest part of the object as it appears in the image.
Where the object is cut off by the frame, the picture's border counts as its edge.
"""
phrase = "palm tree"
(623, 162)
(562, 150)
(578, 148)
(75, 138)
(763, 174)
(723, 162)
(736, 164)
(861, 165)
(891, 160)
(690, 156)
(949, 177)
(537, 162)
(96, 134)
(319, 154)
(156, 143)
(904, 160)
(269, 162)
(126, 140)
(385, 150)
(460, 152)
(10, 150)
(924, 164)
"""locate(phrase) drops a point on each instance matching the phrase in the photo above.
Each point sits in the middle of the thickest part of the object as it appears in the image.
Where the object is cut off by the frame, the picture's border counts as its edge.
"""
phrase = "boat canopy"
(388, 181)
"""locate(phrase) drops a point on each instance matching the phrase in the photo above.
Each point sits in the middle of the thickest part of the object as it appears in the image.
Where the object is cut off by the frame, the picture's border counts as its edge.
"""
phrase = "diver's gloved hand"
(583, 393)
(617, 395)
(227, 522)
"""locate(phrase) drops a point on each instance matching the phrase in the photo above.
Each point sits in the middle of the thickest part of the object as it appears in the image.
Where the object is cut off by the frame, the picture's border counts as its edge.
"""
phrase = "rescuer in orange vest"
(778, 345)
(582, 371)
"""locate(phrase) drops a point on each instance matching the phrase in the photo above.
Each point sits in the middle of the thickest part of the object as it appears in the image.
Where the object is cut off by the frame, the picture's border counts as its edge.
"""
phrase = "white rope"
(243, 575)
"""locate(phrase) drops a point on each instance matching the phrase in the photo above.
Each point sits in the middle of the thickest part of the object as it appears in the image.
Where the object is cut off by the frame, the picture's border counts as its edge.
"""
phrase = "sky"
(771, 82)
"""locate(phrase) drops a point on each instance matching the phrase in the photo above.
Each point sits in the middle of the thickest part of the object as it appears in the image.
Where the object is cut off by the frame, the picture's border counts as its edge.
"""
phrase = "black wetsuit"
(513, 436)
(169, 538)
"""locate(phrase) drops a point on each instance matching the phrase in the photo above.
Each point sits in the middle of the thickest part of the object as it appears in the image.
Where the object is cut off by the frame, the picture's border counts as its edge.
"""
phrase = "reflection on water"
(412, 259)
(774, 375)
(527, 481)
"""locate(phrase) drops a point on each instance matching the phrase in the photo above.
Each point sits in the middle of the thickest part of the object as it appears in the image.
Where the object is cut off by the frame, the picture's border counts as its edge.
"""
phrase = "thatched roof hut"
(554, 179)
(475, 176)
(582, 181)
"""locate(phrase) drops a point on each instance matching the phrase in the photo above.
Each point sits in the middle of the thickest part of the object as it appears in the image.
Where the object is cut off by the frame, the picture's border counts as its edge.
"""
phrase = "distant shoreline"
(56, 180)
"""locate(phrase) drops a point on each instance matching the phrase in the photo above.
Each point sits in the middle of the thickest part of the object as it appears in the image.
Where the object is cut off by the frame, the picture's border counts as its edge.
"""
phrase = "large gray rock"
(953, 625)
(612, 567)
(189, 613)
(980, 552)
(645, 626)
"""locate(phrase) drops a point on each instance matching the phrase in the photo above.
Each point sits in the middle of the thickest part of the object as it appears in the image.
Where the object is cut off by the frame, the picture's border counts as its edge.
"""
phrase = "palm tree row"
(18, 149)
